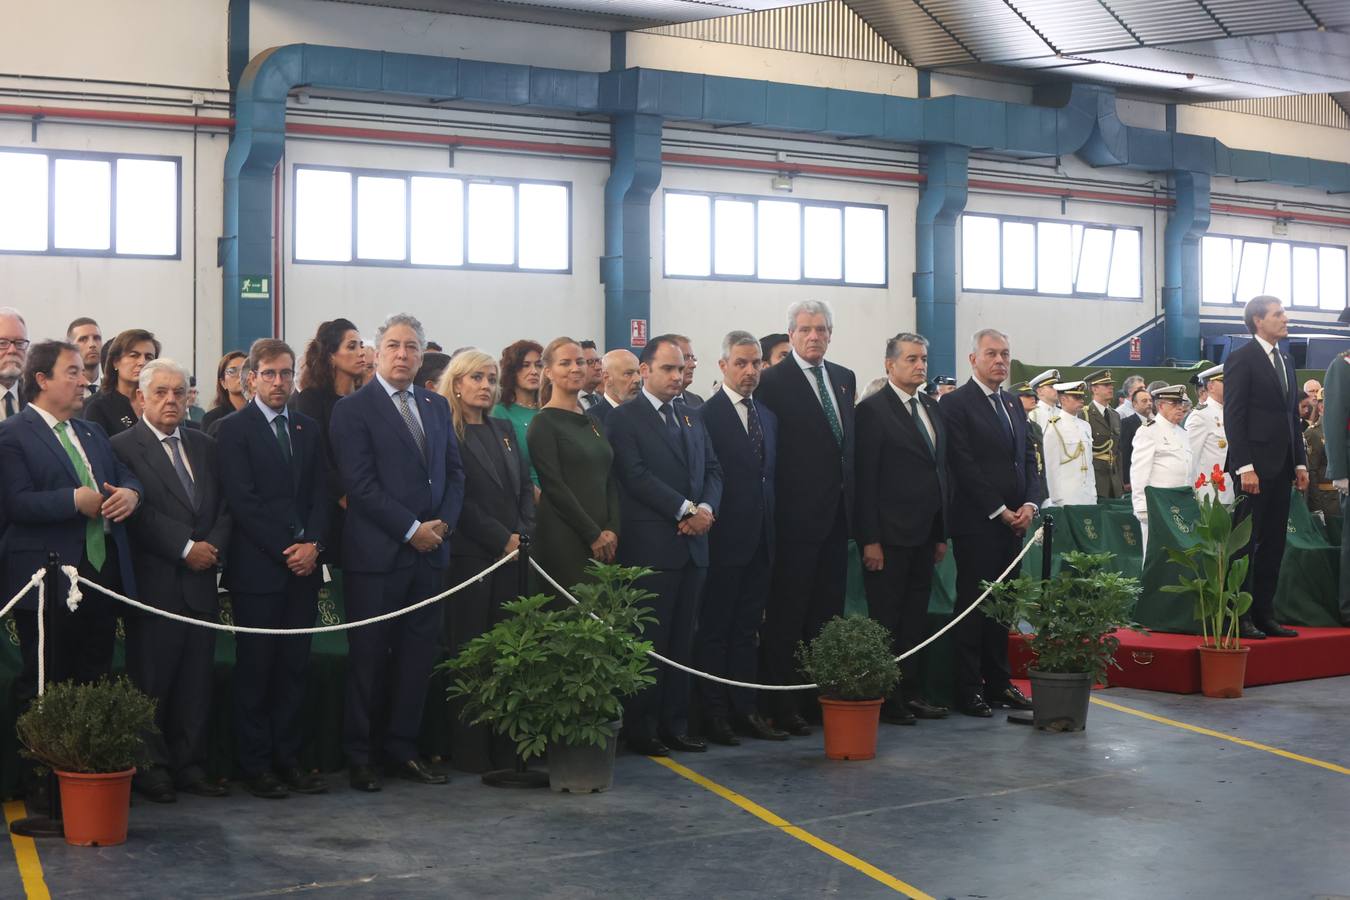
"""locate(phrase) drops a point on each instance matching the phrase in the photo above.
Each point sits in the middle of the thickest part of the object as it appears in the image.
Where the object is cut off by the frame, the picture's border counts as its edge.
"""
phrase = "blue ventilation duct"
(626, 267)
(1181, 266)
(941, 202)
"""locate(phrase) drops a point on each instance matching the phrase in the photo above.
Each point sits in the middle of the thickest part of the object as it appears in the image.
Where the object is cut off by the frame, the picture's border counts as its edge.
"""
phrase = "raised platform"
(1171, 662)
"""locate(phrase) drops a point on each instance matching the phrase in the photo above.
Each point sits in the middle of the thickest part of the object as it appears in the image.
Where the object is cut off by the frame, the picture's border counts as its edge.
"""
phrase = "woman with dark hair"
(334, 366)
(521, 367)
(229, 389)
(578, 515)
(114, 406)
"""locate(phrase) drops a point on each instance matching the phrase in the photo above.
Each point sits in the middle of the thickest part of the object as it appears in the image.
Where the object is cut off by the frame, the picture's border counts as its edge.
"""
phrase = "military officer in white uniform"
(1068, 451)
(1204, 431)
(1047, 400)
(1162, 455)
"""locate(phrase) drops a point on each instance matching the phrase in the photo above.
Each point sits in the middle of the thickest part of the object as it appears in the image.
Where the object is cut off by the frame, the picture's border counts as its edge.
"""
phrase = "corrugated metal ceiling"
(601, 15)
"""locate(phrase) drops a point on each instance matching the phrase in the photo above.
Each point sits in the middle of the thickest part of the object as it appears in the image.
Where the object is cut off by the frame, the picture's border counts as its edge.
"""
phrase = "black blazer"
(1259, 420)
(269, 500)
(690, 399)
(655, 477)
(986, 471)
(1129, 426)
(111, 410)
(601, 409)
(166, 519)
(493, 510)
(745, 519)
(902, 486)
(318, 405)
(814, 473)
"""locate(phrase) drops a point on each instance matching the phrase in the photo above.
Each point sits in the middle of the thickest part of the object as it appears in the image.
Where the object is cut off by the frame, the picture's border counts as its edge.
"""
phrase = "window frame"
(406, 263)
(1034, 221)
(1270, 241)
(111, 159)
(803, 203)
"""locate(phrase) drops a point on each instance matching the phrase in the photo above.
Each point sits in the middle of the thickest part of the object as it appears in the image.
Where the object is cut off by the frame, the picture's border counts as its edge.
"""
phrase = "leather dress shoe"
(792, 724)
(303, 782)
(922, 709)
(1274, 629)
(898, 714)
(718, 730)
(193, 780)
(684, 742)
(1008, 698)
(647, 746)
(267, 786)
(365, 778)
(756, 726)
(974, 705)
(420, 772)
(1249, 632)
(156, 786)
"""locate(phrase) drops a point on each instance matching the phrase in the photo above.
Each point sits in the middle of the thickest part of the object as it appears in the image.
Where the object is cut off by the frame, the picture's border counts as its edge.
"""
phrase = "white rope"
(1035, 539)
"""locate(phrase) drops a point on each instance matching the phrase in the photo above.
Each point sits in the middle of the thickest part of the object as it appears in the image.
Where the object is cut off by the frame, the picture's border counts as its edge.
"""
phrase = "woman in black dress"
(229, 389)
(114, 406)
(498, 510)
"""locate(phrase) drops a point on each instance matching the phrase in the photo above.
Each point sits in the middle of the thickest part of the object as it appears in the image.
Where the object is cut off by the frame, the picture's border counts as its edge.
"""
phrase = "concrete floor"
(962, 808)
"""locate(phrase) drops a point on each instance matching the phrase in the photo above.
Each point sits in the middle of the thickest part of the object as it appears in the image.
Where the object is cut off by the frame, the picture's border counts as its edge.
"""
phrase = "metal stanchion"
(48, 825)
(1047, 544)
(520, 776)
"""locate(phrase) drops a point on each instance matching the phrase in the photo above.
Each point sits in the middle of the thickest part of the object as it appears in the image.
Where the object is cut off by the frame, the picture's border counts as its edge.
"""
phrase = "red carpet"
(1171, 662)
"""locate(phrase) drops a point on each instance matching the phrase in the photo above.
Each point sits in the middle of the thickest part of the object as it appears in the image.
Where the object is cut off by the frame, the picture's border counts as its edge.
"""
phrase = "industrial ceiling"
(602, 15)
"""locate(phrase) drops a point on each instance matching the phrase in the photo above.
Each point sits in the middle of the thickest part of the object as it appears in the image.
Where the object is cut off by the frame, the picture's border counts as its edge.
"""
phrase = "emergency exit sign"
(254, 287)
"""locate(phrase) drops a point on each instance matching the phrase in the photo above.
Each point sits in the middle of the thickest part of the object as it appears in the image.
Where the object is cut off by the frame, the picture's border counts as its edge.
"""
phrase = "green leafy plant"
(1213, 578)
(851, 659)
(1073, 615)
(97, 727)
(558, 675)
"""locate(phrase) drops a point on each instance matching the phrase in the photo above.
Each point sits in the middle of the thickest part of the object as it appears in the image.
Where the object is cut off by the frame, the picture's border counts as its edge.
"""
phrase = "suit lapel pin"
(507, 442)
(596, 430)
(687, 423)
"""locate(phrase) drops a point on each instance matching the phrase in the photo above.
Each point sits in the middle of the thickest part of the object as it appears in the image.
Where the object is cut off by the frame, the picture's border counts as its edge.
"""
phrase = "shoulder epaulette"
(1201, 406)
(1053, 420)
(1150, 423)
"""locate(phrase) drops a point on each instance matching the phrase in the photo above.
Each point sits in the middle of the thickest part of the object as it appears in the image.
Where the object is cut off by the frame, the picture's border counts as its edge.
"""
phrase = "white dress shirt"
(688, 505)
(924, 422)
(815, 385)
(741, 412)
(11, 391)
(168, 451)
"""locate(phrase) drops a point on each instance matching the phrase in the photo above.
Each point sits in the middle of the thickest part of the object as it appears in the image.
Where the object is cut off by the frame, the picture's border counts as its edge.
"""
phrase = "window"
(737, 238)
(89, 204)
(1304, 276)
(363, 217)
(1043, 256)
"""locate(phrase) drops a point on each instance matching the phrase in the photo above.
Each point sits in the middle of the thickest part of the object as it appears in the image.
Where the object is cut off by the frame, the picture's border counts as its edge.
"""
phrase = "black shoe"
(792, 724)
(974, 705)
(302, 782)
(418, 771)
(1274, 629)
(193, 780)
(1249, 632)
(1008, 698)
(898, 714)
(756, 726)
(365, 778)
(922, 709)
(267, 786)
(648, 746)
(156, 786)
(684, 743)
(718, 730)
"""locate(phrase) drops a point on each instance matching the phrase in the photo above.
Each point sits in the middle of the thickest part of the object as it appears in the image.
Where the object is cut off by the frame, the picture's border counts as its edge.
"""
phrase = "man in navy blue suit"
(274, 475)
(744, 437)
(670, 486)
(400, 464)
(64, 491)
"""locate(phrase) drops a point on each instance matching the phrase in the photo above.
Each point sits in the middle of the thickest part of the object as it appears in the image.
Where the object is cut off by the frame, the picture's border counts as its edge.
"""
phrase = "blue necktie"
(672, 423)
(754, 427)
(997, 399)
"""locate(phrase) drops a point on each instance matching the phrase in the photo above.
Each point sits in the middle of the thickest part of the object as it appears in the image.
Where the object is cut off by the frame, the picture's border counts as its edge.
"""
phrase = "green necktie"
(95, 546)
(923, 429)
(831, 415)
(283, 437)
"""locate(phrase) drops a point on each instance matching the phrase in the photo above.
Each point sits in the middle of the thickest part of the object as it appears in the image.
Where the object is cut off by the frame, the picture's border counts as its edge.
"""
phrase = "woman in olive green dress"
(578, 513)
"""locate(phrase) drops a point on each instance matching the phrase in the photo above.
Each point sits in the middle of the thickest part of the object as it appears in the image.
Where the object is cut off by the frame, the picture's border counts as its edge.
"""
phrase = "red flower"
(1220, 484)
(1217, 473)
(1200, 482)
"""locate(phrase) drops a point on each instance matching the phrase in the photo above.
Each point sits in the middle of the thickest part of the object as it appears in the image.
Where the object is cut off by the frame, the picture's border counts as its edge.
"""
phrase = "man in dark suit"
(686, 396)
(813, 400)
(179, 536)
(1266, 454)
(902, 511)
(275, 477)
(595, 376)
(995, 497)
(670, 486)
(744, 437)
(622, 382)
(64, 491)
(1141, 402)
(13, 353)
(400, 463)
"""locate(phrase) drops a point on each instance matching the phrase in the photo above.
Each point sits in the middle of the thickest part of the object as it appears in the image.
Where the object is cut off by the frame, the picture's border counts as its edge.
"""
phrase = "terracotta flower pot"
(850, 728)
(95, 807)
(1222, 671)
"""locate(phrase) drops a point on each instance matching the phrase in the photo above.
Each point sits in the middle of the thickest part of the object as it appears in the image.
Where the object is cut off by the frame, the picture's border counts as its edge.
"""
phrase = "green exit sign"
(255, 287)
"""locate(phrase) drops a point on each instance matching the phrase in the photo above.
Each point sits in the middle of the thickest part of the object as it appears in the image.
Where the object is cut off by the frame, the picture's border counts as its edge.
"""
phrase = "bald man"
(622, 382)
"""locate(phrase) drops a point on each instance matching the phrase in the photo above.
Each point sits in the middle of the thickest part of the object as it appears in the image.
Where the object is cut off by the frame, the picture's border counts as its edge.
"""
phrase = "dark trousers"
(1270, 520)
(171, 663)
(897, 597)
(981, 643)
(808, 590)
(727, 641)
(80, 643)
(389, 664)
(664, 707)
(468, 614)
(1345, 561)
(270, 674)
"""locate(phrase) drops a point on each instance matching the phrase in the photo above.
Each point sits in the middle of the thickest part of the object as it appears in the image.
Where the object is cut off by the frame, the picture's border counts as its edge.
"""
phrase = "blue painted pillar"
(626, 268)
(1181, 265)
(941, 202)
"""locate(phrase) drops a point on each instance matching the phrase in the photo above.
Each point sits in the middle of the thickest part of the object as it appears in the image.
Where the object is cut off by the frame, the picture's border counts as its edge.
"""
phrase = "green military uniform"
(1321, 495)
(1034, 431)
(1335, 430)
(1105, 422)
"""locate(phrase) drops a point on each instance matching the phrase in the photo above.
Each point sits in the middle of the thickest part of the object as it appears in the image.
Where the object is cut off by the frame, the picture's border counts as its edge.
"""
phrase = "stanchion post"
(1047, 544)
(523, 567)
(47, 823)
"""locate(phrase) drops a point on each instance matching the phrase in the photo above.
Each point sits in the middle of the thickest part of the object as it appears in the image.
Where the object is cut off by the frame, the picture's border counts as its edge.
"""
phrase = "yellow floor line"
(1209, 732)
(800, 834)
(26, 855)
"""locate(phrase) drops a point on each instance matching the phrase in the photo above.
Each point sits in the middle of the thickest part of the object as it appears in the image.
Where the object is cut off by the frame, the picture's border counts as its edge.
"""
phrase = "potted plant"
(92, 736)
(1073, 617)
(1213, 579)
(553, 680)
(851, 662)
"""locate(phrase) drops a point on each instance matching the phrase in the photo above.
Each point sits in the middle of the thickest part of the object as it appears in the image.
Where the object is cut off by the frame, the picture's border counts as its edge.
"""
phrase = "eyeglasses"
(232, 372)
(20, 345)
(270, 375)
